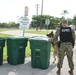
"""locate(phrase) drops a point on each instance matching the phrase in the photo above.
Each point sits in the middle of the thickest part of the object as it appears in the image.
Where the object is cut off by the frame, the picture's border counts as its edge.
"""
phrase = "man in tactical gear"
(67, 41)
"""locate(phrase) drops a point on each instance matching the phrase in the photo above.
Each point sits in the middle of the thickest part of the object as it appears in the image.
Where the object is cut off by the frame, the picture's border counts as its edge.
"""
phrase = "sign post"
(47, 22)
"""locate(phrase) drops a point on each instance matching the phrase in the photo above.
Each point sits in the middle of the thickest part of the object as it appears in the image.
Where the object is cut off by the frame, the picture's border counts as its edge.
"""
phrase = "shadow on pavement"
(24, 69)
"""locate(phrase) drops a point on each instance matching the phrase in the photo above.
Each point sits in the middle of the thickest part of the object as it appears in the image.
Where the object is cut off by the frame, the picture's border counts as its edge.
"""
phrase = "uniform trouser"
(65, 48)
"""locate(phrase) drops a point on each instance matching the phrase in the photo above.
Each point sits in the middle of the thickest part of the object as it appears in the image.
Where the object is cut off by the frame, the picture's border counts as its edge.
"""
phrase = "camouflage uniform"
(65, 47)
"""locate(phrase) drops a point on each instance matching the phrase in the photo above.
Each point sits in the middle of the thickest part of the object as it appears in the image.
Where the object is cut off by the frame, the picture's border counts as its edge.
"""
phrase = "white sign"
(47, 21)
(24, 23)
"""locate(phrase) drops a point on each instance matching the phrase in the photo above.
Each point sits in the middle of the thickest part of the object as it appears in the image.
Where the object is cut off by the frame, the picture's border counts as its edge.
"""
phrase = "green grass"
(7, 29)
(3, 29)
(4, 35)
(37, 32)
(28, 50)
(5, 53)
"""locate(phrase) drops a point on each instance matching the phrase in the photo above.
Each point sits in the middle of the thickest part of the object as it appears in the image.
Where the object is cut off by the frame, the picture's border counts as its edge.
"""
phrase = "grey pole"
(23, 32)
(41, 12)
(37, 6)
(42, 7)
(47, 29)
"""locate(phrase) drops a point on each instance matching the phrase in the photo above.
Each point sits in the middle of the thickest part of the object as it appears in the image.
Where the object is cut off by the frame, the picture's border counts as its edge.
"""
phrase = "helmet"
(64, 21)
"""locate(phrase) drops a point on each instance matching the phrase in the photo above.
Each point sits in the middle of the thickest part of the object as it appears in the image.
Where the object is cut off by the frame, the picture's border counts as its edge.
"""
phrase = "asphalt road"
(20, 33)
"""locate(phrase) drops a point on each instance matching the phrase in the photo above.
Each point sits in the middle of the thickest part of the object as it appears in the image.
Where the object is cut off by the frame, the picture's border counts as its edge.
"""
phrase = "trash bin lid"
(1, 38)
(43, 38)
(16, 37)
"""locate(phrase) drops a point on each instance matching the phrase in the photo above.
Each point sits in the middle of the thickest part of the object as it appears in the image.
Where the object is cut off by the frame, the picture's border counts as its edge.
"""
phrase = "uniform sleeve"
(73, 34)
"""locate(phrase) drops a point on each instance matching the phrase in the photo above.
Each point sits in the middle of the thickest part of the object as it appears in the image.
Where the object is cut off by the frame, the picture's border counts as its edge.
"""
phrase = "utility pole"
(42, 8)
(37, 6)
(41, 13)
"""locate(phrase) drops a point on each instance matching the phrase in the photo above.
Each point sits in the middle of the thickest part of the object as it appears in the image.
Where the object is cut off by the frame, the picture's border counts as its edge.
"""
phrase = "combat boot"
(59, 71)
(71, 71)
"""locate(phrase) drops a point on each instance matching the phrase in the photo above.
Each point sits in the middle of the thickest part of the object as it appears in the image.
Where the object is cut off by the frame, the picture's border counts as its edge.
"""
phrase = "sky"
(10, 10)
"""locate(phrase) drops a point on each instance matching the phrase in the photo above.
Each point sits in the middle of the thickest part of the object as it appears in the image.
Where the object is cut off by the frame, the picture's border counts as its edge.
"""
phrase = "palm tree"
(74, 20)
(64, 12)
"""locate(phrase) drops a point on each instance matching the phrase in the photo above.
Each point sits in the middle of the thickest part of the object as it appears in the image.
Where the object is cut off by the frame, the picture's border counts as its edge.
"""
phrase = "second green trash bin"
(40, 52)
(16, 50)
(2, 44)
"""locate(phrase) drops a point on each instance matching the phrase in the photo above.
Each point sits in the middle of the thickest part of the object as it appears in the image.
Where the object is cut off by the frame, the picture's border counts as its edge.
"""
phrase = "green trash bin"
(2, 44)
(40, 52)
(16, 50)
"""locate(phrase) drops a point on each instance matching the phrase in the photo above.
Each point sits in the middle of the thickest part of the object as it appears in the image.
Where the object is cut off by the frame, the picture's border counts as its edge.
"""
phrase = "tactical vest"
(65, 34)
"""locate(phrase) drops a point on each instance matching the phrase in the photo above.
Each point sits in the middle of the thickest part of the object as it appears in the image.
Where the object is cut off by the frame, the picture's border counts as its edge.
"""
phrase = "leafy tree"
(36, 21)
(74, 20)
(3, 25)
(64, 13)
(9, 25)
(70, 21)
(12, 25)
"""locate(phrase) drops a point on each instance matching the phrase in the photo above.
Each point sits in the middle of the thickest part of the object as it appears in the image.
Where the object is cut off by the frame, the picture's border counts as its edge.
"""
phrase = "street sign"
(24, 23)
(47, 21)
(24, 20)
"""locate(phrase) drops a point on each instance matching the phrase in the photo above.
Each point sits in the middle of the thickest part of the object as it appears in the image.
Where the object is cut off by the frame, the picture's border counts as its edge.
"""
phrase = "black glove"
(59, 43)
(73, 43)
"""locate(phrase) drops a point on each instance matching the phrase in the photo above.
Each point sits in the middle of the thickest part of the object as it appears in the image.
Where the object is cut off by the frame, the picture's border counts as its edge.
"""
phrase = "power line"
(37, 6)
